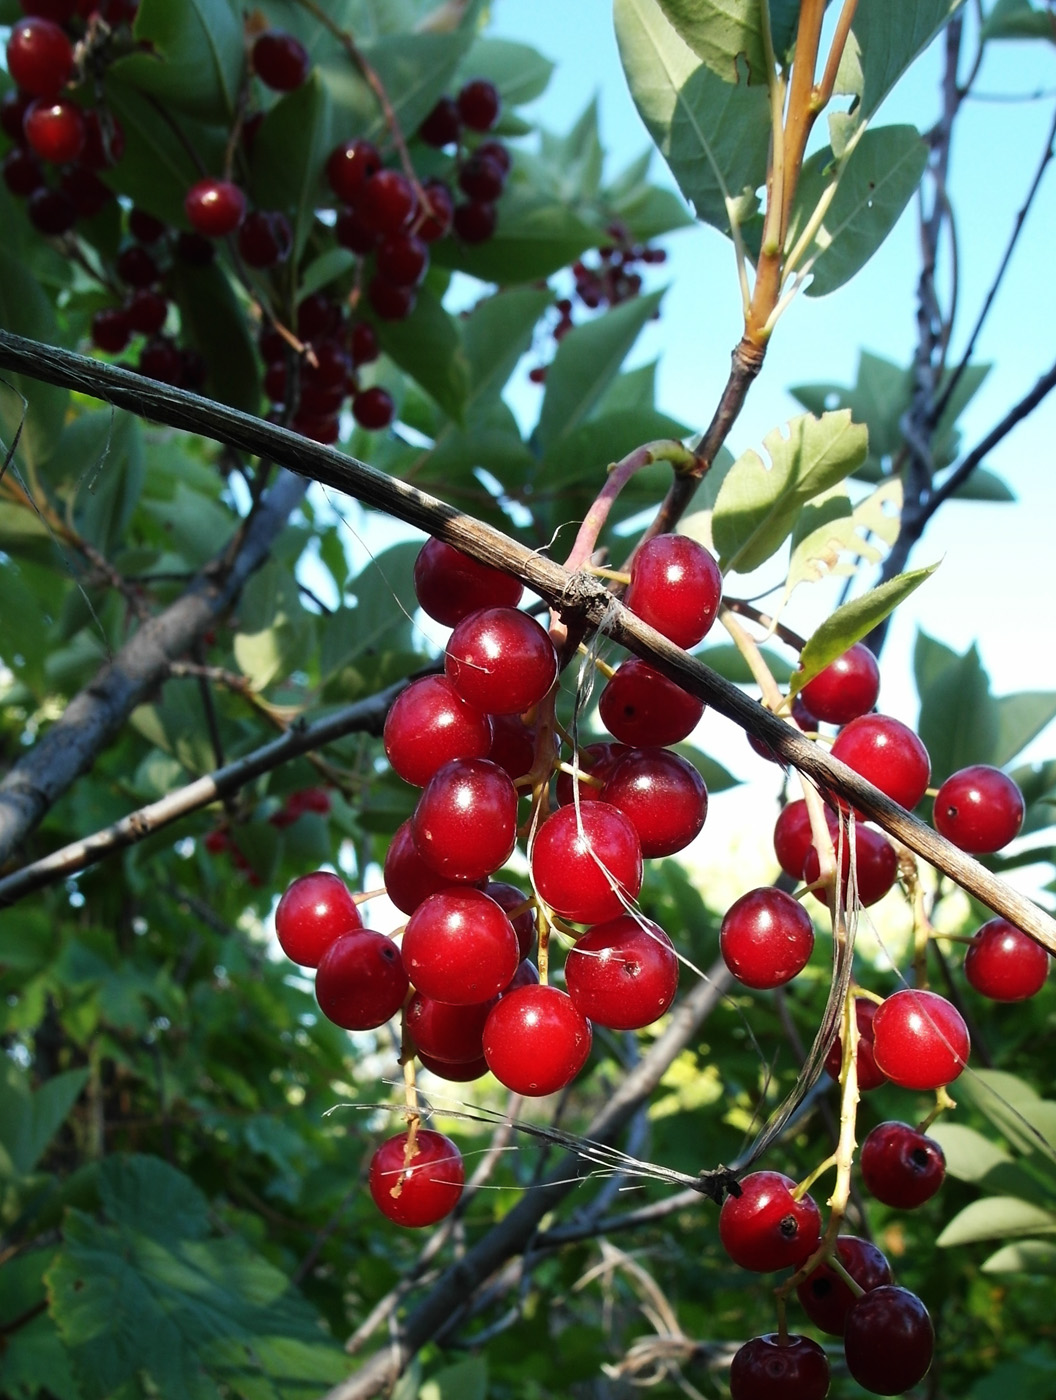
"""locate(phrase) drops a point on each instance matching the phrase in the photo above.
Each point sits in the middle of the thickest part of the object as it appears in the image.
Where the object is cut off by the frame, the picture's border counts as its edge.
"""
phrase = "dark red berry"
(373, 408)
(315, 910)
(422, 1190)
(136, 266)
(475, 220)
(194, 249)
(430, 724)
(869, 1076)
(443, 125)
(408, 880)
(888, 1340)
(214, 207)
(51, 212)
(353, 233)
(512, 745)
(676, 587)
(587, 862)
(847, 687)
(481, 178)
(449, 585)
(664, 796)
(363, 344)
(765, 1227)
(536, 1041)
(875, 864)
(826, 1296)
(144, 227)
(22, 172)
(161, 360)
(980, 809)
(454, 1071)
(920, 1040)
(901, 1166)
(86, 190)
(13, 106)
(479, 104)
(264, 239)
(779, 1368)
(61, 11)
(349, 167)
(437, 212)
(146, 311)
(387, 202)
(318, 316)
(39, 56)
(1002, 963)
(402, 259)
(642, 708)
(441, 1031)
(361, 982)
(280, 60)
(766, 938)
(110, 330)
(390, 302)
(520, 911)
(623, 973)
(104, 141)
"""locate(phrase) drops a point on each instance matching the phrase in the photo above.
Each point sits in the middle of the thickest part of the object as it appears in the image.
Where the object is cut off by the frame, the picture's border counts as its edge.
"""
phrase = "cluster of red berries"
(609, 281)
(386, 216)
(221, 840)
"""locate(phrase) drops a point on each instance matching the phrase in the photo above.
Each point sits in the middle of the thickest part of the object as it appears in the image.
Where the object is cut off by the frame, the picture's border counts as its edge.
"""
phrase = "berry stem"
(749, 649)
(942, 1103)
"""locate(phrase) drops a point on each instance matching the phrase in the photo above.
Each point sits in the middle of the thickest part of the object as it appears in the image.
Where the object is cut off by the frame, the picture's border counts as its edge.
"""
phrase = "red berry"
(454, 1071)
(352, 233)
(875, 864)
(39, 56)
(827, 1298)
(664, 796)
(264, 239)
(676, 587)
(61, 11)
(513, 745)
(51, 212)
(363, 344)
(402, 259)
(479, 104)
(499, 152)
(901, 1166)
(766, 938)
(13, 106)
(888, 754)
(642, 708)
(888, 1340)
(587, 864)
(429, 725)
(159, 359)
(425, 1189)
(136, 266)
(459, 947)
(390, 302)
(449, 585)
(373, 408)
(104, 142)
(980, 809)
(536, 1041)
(765, 1228)
(214, 207)
(86, 190)
(776, 1368)
(793, 838)
(387, 202)
(920, 1040)
(481, 178)
(869, 1077)
(280, 60)
(408, 880)
(474, 221)
(437, 213)
(361, 982)
(55, 129)
(847, 687)
(443, 125)
(318, 316)
(146, 311)
(144, 227)
(193, 249)
(110, 330)
(1002, 963)
(511, 898)
(349, 167)
(22, 172)
(441, 1031)
(465, 824)
(501, 660)
(315, 910)
(597, 760)
(623, 973)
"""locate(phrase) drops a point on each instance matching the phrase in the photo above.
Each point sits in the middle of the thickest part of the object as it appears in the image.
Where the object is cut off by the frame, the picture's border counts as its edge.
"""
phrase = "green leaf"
(930, 659)
(195, 58)
(984, 485)
(414, 69)
(132, 1296)
(829, 536)
(428, 346)
(1017, 19)
(716, 777)
(275, 633)
(757, 506)
(40, 409)
(958, 721)
(466, 1380)
(25, 624)
(890, 35)
(872, 189)
(537, 234)
(326, 268)
(157, 169)
(1025, 1257)
(197, 526)
(1020, 718)
(106, 447)
(289, 153)
(497, 332)
(728, 661)
(587, 361)
(880, 396)
(30, 1119)
(1025, 1120)
(587, 451)
(969, 1155)
(380, 621)
(714, 134)
(520, 72)
(853, 621)
(723, 32)
(650, 212)
(996, 1217)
